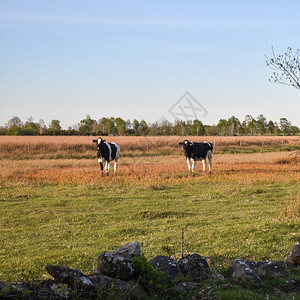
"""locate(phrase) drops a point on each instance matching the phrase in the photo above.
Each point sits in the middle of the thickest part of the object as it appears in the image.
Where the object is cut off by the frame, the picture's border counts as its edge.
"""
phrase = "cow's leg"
(107, 168)
(188, 163)
(193, 165)
(101, 165)
(204, 164)
(116, 165)
(209, 155)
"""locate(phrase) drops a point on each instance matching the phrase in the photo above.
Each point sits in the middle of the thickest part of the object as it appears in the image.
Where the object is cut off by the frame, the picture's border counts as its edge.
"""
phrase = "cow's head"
(99, 142)
(187, 146)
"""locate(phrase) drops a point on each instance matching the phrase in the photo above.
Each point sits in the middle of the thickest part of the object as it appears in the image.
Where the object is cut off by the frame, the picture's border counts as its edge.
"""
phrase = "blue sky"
(134, 59)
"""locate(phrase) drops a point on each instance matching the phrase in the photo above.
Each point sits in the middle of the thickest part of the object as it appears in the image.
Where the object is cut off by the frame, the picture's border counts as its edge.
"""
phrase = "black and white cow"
(197, 151)
(107, 152)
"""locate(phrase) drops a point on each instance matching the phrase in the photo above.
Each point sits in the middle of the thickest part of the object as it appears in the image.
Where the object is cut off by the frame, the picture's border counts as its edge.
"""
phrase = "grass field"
(55, 210)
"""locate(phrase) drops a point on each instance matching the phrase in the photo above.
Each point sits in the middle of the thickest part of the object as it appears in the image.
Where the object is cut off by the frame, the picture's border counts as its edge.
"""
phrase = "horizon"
(160, 121)
(117, 126)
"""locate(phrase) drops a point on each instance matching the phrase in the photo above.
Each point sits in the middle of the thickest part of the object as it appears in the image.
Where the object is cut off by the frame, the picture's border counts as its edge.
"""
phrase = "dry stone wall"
(164, 277)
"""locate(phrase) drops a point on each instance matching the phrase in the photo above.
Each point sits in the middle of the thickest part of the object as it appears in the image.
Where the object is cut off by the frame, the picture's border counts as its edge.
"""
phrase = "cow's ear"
(104, 141)
(94, 141)
(181, 143)
(191, 144)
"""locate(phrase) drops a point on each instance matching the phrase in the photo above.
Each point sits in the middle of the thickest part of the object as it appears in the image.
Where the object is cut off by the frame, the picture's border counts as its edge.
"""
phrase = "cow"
(197, 151)
(107, 152)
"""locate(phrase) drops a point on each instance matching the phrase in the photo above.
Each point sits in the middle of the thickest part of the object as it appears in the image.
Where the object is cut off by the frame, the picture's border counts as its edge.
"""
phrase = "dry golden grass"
(143, 140)
(83, 147)
(145, 161)
(151, 171)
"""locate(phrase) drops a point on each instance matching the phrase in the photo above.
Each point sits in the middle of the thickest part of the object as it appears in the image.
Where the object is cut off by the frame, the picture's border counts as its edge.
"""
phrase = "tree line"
(117, 126)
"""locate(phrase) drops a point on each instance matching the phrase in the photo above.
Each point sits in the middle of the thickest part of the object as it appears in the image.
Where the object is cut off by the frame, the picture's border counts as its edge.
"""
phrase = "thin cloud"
(155, 24)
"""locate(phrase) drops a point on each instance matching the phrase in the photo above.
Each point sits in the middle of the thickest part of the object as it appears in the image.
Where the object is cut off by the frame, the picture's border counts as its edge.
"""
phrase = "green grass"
(72, 224)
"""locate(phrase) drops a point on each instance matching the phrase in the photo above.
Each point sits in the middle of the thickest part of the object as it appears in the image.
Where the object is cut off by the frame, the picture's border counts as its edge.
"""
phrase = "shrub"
(153, 280)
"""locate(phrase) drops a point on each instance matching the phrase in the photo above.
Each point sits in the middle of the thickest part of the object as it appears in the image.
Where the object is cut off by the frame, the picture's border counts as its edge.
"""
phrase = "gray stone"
(217, 277)
(294, 256)
(129, 289)
(129, 250)
(184, 287)
(82, 283)
(49, 289)
(253, 264)
(73, 278)
(14, 290)
(60, 291)
(293, 285)
(242, 273)
(45, 289)
(166, 264)
(114, 265)
(63, 274)
(273, 269)
(194, 265)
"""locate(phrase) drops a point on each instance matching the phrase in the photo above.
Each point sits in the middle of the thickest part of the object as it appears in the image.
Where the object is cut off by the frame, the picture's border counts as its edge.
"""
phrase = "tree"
(112, 126)
(222, 127)
(102, 127)
(271, 127)
(121, 126)
(294, 130)
(14, 126)
(165, 127)
(233, 124)
(197, 128)
(107, 126)
(261, 124)
(136, 126)
(286, 68)
(250, 124)
(285, 126)
(180, 127)
(87, 126)
(211, 130)
(144, 127)
(277, 129)
(54, 127)
(129, 127)
(14, 121)
(42, 127)
(3, 130)
(30, 128)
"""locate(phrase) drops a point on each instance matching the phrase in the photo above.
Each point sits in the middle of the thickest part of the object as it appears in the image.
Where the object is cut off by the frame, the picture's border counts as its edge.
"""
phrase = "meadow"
(56, 208)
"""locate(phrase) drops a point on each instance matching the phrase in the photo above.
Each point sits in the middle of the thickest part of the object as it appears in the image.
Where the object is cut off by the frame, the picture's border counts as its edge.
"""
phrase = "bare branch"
(286, 66)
